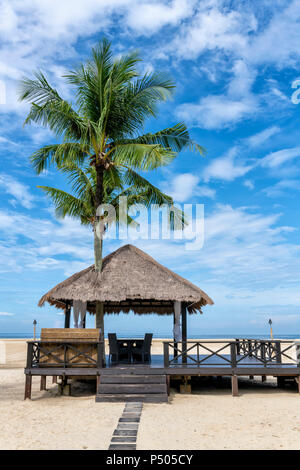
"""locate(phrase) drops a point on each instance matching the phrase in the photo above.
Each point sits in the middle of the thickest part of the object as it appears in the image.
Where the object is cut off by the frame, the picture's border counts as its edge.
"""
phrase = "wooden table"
(130, 343)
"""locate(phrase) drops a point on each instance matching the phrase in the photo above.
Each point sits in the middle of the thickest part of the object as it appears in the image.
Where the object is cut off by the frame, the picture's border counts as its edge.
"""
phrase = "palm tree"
(113, 100)
(81, 204)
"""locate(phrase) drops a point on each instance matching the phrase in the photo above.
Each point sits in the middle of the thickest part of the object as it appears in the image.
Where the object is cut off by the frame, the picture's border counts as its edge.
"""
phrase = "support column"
(67, 314)
(28, 383)
(184, 331)
(176, 326)
(43, 382)
(234, 386)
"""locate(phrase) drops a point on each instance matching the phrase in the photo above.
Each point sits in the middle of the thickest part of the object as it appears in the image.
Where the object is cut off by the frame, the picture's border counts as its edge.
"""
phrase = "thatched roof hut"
(130, 280)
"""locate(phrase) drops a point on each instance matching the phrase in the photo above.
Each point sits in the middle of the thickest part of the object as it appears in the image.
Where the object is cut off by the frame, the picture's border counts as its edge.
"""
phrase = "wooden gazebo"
(130, 280)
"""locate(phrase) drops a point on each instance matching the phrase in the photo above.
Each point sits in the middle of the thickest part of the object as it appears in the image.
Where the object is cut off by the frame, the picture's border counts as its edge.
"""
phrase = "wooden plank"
(70, 334)
(123, 439)
(132, 388)
(129, 420)
(126, 425)
(140, 370)
(125, 432)
(149, 398)
(133, 379)
(122, 447)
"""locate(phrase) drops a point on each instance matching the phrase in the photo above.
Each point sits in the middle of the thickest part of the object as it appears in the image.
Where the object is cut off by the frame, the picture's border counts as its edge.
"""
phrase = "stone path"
(125, 435)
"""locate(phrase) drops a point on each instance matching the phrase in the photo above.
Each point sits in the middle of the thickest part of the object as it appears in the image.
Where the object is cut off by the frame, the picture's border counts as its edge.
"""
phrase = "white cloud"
(282, 188)
(275, 159)
(249, 184)
(6, 314)
(21, 193)
(148, 17)
(246, 259)
(218, 111)
(227, 167)
(185, 187)
(261, 137)
(213, 29)
(31, 243)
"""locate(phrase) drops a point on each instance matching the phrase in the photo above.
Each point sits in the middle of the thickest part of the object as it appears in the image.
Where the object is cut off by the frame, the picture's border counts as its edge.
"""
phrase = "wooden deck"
(241, 357)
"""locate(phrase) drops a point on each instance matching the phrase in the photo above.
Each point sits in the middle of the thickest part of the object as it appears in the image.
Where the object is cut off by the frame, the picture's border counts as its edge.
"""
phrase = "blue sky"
(234, 63)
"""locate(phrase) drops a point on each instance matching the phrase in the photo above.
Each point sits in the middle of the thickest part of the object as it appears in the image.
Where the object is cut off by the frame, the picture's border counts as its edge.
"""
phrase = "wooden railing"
(236, 353)
(64, 354)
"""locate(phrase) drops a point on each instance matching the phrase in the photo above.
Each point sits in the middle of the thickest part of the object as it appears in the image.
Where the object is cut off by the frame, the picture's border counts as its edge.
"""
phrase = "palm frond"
(144, 157)
(176, 138)
(65, 204)
(60, 154)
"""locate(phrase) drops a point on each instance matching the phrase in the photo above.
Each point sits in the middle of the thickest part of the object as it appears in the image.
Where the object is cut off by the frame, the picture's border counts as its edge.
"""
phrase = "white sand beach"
(262, 417)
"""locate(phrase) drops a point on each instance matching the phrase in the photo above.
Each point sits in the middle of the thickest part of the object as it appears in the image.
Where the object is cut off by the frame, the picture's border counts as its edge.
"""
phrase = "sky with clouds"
(234, 62)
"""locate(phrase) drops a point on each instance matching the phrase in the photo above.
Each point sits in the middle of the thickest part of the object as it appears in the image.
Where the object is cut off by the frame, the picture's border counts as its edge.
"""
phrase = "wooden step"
(132, 379)
(146, 398)
(120, 388)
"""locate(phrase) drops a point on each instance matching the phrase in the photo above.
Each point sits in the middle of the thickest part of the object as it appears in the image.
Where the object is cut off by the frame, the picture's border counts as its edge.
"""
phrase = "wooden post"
(250, 347)
(28, 383)
(175, 342)
(100, 355)
(176, 326)
(263, 356)
(185, 386)
(166, 355)
(97, 383)
(233, 354)
(234, 386)
(184, 332)
(278, 352)
(168, 384)
(29, 355)
(280, 382)
(54, 379)
(43, 382)
(67, 314)
(299, 383)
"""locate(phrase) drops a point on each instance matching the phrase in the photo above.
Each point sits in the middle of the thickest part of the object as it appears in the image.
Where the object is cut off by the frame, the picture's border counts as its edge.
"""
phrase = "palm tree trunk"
(98, 246)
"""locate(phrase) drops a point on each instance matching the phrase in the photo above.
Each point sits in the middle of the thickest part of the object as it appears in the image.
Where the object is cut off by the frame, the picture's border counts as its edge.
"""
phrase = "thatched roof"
(130, 280)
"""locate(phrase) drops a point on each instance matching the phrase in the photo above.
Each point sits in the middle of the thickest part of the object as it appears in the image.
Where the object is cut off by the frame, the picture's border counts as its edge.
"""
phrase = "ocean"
(168, 336)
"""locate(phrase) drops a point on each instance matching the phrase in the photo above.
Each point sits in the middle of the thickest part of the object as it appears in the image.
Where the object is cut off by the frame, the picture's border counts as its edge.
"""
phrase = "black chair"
(143, 351)
(115, 351)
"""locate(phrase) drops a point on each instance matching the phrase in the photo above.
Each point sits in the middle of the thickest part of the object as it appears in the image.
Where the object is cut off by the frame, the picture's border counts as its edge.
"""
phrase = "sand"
(262, 417)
